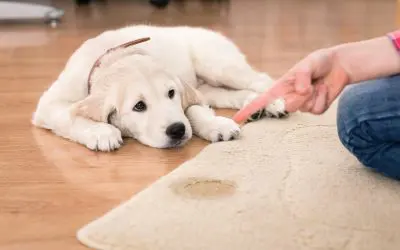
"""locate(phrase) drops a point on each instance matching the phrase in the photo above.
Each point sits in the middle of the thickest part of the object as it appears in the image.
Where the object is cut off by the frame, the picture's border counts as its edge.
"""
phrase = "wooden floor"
(50, 187)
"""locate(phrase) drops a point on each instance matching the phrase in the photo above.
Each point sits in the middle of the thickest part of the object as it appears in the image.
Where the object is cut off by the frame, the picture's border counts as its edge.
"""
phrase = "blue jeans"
(368, 123)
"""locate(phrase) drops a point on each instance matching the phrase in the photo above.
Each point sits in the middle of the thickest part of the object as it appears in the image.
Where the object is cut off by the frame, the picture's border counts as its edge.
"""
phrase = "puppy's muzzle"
(176, 131)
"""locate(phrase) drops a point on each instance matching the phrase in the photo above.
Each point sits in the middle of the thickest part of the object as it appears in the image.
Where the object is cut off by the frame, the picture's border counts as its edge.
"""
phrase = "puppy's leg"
(208, 126)
(237, 99)
(218, 97)
(221, 64)
(94, 135)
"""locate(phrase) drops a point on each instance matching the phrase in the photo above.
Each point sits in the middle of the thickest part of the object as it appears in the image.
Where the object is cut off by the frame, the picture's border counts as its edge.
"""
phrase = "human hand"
(314, 83)
(310, 86)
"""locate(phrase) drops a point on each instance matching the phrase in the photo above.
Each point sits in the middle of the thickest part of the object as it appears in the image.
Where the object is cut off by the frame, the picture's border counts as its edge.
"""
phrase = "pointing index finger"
(260, 102)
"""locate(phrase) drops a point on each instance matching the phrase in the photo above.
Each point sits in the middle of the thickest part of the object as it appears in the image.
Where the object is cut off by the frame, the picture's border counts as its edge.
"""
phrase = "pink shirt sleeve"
(395, 37)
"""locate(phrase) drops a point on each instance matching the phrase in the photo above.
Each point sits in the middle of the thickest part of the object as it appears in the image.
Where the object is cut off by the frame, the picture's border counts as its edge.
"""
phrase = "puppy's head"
(135, 94)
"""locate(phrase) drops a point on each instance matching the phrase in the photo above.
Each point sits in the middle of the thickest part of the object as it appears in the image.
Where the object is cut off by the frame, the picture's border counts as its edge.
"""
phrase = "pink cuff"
(395, 38)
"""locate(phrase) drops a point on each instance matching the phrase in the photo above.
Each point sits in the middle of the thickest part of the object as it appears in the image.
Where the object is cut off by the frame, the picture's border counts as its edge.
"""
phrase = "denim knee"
(359, 143)
(350, 130)
(368, 121)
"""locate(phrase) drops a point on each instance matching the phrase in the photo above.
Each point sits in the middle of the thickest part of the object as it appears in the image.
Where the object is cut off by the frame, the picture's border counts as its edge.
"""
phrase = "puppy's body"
(176, 76)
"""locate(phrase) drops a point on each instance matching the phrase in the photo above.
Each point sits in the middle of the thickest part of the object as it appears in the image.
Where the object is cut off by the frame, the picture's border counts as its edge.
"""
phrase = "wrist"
(342, 64)
(369, 59)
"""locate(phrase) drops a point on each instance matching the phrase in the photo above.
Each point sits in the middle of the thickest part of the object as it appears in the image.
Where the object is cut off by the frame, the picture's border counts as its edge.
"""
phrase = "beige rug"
(285, 185)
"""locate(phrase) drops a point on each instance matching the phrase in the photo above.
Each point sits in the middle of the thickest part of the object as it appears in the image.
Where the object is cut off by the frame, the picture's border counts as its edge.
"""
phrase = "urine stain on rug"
(204, 188)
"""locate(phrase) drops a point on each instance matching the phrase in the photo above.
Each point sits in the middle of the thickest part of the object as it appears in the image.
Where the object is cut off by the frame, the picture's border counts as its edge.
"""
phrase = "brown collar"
(98, 61)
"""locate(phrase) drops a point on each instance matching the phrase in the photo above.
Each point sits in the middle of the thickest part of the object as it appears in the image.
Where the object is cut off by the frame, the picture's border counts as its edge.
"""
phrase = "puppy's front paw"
(102, 137)
(276, 109)
(220, 129)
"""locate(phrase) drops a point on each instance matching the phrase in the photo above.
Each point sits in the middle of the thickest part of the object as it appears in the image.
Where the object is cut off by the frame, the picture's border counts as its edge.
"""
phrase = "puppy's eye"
(171, 94)
(140, 107)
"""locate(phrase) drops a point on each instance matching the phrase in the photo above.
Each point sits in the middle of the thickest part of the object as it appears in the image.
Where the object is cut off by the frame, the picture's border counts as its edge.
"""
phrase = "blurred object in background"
(79, 2)
(29, 12)
(11, 11)
(159, 3)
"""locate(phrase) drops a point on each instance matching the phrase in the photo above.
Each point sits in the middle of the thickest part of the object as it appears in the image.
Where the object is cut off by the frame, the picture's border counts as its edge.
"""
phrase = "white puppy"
(158, 91)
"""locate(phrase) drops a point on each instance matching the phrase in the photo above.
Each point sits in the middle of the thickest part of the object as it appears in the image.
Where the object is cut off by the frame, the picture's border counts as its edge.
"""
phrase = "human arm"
(314, 83)
(370, 59)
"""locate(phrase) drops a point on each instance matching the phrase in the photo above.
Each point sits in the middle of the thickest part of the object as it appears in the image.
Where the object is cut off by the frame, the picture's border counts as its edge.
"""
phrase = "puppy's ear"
(189, 95)
(111, 56)
(93, 107)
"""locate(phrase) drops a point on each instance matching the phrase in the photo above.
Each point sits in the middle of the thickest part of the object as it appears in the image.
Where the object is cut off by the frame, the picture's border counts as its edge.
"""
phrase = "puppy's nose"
(176, 130)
